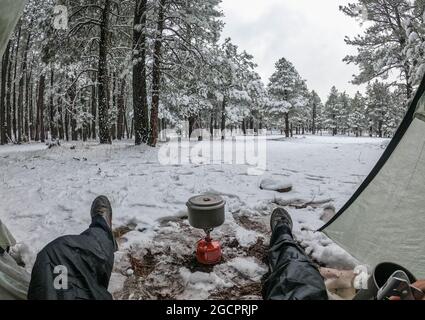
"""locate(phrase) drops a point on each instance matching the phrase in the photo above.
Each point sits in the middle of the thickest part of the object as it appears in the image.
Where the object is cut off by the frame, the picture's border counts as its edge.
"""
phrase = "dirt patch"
(259, 251)
(301, 204)
(231, 242)
(193, 265)
(143, 267)
(250, 224)
(123, 230)
(249, 291)
(156, 273)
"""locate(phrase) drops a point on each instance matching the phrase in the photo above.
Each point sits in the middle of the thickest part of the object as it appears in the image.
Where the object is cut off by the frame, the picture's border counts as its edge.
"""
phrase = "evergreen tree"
(392, 41)
(332, 111)
(316, 112)
(357, 119)
(378, 104)
(287, 92)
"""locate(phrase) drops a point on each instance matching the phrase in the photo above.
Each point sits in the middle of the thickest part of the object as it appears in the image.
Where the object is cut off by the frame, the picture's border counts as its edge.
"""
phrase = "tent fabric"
(6, 238)
(14, 280)
(385, 219)
(9, 15)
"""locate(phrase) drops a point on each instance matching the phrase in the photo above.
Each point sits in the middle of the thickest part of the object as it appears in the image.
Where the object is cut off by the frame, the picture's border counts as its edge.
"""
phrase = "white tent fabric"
(385, 221)
(14, 280)
(10, 11)
(6, 238)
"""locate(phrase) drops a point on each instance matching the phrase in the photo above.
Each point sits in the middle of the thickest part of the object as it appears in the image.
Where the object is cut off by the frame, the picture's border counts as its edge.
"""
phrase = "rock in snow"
(276, 185)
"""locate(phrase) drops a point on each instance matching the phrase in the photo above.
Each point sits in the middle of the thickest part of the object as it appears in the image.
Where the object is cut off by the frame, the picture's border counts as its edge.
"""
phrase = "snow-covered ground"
(46, 193)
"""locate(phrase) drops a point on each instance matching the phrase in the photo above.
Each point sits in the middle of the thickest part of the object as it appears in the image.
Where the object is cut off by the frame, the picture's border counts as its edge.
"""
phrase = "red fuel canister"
(208, 252)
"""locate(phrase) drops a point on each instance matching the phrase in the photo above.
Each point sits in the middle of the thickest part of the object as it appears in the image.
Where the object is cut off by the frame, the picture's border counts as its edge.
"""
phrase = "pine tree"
(344, 113)
(316, 112)
(286, 91)
(378, 103)
(332, 111)
(140, 98)
(384, 47)
(357, 119)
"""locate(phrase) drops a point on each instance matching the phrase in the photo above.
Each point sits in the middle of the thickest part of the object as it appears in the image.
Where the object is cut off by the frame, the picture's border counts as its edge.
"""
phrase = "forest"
(130, 69)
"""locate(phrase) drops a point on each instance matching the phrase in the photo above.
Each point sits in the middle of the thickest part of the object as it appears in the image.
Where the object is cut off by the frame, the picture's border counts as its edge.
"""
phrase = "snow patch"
(246, 238)
(198, 285)
(248, 267)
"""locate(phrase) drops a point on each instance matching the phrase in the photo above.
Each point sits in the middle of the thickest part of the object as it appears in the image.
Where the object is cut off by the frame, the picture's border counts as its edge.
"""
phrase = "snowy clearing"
(47, 193)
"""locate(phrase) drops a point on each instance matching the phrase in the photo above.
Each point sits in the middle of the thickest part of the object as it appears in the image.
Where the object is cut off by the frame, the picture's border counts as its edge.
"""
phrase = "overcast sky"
(309, 33)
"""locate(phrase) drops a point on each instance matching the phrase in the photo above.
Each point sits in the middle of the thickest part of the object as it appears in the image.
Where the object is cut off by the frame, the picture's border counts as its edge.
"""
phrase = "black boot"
(280, 215)
(102, 207)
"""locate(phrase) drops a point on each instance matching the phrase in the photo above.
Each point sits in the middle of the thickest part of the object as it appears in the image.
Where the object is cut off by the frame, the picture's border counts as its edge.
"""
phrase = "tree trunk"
(9, 96)
(31, 113)
(380, 124)
(60, 120)
(121, 111)
(113, 116)
(104, 132)
(156, 75)
(40, 107)
(93, 110)
(28, 98)
(244, 127)
(14, 109)
(72, 93)
(66, 125)
(53, 128)
(223, 119)
(127, 132)
(140, 97)
(20, 107)
(24, 75)
(192, 120)
(287, 128)
(4, 71)
(212, 126)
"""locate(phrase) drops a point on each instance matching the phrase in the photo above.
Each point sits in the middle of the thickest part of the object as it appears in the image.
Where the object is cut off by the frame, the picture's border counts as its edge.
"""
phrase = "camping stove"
(206, 212)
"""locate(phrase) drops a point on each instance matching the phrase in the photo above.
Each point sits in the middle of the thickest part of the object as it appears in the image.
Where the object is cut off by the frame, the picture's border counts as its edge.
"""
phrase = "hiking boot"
(102, 207)
(280, 215)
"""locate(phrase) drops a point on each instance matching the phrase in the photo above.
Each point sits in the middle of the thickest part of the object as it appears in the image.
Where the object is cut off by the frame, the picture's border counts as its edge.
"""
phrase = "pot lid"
(207, 200)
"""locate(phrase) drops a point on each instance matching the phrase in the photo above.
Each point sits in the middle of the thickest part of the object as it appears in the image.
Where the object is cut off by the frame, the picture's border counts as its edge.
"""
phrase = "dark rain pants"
(83, 266)
(293, 276)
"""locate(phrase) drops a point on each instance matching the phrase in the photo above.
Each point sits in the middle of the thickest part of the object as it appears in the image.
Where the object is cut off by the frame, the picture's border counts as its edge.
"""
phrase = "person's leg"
(293, 276)
(87, 258)
(100, 233)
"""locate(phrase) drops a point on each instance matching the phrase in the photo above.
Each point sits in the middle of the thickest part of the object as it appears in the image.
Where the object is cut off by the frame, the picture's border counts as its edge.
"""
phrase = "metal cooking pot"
(379, 277)
(206, 211)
